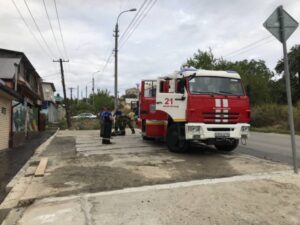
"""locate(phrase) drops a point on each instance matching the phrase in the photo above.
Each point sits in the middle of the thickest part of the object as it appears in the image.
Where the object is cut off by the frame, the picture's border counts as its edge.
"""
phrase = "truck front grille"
(221, 117)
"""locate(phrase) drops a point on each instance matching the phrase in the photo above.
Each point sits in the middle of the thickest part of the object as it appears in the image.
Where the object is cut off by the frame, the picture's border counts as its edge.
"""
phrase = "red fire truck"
(191, 105)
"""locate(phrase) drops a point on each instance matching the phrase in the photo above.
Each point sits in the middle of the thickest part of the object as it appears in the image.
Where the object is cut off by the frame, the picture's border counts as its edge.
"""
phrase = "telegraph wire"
(38, 28)
(55, 39)
(250, 49)
(139, 22)
(247, 46)
(60, 30)
(107, 61)
(133, 20)
(52, 75)
(30, 30)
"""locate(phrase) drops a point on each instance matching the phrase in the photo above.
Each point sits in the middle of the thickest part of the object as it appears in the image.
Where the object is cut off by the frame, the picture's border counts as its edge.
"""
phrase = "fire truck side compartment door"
(167, 100)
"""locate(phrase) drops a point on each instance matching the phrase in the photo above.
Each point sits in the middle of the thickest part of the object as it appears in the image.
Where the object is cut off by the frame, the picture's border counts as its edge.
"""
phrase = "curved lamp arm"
(130, 10)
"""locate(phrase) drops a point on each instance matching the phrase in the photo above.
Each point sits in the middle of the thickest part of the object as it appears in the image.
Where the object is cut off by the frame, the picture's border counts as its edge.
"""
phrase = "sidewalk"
(256, 199)
(141, 182)
(13, 159)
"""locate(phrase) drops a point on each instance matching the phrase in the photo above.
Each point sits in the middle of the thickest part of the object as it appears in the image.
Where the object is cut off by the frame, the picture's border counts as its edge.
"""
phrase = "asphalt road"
(98, 183)
(275, 147)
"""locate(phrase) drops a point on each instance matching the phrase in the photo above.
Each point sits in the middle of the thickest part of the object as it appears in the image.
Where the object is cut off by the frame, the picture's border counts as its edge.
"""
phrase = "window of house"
(3, 110)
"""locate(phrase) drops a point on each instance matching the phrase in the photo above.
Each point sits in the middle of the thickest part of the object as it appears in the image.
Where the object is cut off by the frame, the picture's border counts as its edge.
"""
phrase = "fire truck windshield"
(216, 85)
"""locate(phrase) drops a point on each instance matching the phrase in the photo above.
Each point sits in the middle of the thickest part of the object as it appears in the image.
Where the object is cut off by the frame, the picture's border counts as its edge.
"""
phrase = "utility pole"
(86, 93)
(77, 94)
(93, 88)
(116, 35)
(64, 91)
(71, 93)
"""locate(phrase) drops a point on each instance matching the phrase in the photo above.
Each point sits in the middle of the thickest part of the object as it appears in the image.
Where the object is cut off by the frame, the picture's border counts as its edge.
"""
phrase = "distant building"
(132, 92)
(61, 110)
(52, 105)
(50, 108)
(19, 75)
(130, 103)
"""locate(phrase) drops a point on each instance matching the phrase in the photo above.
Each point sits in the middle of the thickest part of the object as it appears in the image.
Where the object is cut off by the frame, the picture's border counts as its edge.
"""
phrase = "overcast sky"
(170, 33)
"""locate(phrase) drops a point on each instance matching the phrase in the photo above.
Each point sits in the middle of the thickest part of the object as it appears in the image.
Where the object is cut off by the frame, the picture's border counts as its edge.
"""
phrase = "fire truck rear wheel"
(228, 147)
(174, 143)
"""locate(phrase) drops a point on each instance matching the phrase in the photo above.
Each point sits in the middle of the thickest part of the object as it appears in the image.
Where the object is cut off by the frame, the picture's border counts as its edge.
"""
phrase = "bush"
(273, 115)
(86, 124)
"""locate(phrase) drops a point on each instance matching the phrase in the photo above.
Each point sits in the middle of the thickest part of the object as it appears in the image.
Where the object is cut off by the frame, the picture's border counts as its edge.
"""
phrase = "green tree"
(102, 99)
(202, 59)
(294, 66)
(81, 107)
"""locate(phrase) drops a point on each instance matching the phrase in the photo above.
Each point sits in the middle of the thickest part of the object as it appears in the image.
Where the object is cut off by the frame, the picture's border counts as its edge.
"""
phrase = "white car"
(85, 116)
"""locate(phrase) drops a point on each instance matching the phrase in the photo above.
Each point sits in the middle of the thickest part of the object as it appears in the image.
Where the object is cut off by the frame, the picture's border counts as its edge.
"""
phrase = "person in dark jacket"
(107, 120)
(101, 122)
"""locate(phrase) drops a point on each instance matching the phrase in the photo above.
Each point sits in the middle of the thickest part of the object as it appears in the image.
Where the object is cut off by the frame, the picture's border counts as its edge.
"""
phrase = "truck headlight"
(245, 129)
(194, 129)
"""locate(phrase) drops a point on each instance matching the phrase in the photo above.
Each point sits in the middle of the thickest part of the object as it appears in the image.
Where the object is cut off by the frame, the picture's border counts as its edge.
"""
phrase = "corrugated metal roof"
(7, 68)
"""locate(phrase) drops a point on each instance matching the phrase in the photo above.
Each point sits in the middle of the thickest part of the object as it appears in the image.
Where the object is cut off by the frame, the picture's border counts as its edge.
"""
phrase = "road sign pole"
(288, 87)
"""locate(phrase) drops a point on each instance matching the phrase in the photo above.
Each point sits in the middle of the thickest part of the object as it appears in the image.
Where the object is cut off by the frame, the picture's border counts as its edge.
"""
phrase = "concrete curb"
(22, 171)
(16, 191)
(176, 185)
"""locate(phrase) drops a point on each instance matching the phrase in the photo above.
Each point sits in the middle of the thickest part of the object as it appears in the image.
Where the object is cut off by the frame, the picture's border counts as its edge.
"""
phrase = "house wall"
(18, 135)
(52, 113)
(48, 92)
(5, 118)
(61, 113)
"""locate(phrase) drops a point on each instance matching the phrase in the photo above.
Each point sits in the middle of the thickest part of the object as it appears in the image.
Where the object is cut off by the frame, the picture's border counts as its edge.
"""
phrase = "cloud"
(168, 35)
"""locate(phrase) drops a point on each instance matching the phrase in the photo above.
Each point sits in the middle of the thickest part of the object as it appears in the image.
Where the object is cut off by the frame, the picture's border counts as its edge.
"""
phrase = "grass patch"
(273, 118)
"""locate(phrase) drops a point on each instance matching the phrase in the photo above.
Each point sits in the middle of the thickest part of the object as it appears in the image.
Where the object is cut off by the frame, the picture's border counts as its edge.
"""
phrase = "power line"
(107, 61)
(139, 22)
(59, 25)
(38, 28)
(51, 75)
(247, 50)
(31, 32)
(247, 46)
(45, 7)
(133, 19)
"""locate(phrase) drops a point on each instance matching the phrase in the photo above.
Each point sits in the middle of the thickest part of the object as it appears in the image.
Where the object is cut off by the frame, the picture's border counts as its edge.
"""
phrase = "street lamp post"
(116, 55)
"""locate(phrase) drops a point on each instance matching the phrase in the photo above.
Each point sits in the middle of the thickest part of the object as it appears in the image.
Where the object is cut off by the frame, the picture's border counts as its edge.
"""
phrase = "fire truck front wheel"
(174, 142)
(228, 147)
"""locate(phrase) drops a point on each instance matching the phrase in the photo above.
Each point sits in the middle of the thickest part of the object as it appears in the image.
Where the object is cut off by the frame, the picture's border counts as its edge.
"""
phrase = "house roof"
(9, 91)
(6, 56)
(7, 68)
(49, 83)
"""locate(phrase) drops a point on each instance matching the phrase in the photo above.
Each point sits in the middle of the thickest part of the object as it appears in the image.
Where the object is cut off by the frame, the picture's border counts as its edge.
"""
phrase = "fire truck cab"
(195, 106)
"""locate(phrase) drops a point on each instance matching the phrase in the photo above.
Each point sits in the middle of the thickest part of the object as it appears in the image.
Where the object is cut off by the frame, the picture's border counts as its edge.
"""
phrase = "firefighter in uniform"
(125, 121)
(107, 119)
